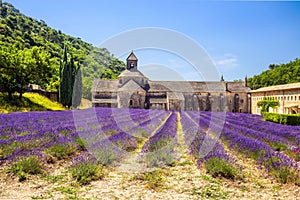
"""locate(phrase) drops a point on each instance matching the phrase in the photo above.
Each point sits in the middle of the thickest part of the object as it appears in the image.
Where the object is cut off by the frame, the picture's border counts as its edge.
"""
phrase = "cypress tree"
(222, 78)
(68, 79)
(69, 85)
(65, 81)
(77, 89)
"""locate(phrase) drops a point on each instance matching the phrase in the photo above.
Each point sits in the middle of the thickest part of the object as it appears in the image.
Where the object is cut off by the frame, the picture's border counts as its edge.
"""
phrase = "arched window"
(130, 103)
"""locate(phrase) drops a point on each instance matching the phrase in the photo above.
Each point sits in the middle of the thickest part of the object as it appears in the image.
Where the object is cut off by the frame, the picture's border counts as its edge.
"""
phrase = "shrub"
(106, 152)
(220, 168)
(286, 175)
(293, 120)
(86, 171)
(160, 144)
(160, 158)
(31, 165)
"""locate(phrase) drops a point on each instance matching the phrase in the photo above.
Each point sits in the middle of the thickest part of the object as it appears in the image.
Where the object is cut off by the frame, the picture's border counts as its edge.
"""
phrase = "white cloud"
(226, 62)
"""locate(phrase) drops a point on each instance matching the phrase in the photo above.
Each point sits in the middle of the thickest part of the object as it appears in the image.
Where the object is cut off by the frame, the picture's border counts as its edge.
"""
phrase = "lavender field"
(82, 148)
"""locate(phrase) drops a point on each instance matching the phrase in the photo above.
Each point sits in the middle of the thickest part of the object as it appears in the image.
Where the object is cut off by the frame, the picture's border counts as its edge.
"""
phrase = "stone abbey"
(134, 90)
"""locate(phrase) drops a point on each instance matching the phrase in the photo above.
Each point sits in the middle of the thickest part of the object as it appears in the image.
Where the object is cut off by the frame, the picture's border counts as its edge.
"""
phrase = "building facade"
(134, 90)
(288, 96)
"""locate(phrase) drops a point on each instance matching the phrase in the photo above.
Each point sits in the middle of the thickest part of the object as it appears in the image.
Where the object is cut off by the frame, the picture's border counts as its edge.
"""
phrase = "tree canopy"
(19, 67)
(276, 75)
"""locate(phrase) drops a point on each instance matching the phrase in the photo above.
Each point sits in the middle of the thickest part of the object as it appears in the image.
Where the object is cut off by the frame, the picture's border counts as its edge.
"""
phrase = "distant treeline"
(277, 74)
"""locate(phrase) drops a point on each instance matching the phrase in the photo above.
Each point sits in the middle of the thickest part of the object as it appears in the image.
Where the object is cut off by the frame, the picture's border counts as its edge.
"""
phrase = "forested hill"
(21, 33)
(276, 75)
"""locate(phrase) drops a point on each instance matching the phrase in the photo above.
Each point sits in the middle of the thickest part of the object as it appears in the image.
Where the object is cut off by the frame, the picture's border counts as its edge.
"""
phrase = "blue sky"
(242, 38)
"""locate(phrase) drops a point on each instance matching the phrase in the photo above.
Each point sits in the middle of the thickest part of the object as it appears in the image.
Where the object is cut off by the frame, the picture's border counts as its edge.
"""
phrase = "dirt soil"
(182, 181)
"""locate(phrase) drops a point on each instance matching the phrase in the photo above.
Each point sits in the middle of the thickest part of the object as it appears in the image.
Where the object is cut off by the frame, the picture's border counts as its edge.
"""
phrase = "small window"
(291, 98)
(242, 100)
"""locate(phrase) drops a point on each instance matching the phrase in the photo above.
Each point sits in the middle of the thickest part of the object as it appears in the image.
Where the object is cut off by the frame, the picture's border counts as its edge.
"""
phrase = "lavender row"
(256, 123)
(201, 145)
(125, 135)
(292, 133)
(33, 133)
(165, 136)
(274, 141)
(275, 162)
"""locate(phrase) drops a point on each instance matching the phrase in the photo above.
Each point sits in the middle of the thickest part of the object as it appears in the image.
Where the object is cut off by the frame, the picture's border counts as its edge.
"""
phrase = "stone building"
(134, 90)
(288, 96)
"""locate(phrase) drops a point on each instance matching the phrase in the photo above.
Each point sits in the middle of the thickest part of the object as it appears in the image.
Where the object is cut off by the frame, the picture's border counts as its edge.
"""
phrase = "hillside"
(29, 102)
(21, 32)
(276, 75)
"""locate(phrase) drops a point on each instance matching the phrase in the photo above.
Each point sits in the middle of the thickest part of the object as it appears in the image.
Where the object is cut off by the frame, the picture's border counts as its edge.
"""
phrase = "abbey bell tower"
(132, 62)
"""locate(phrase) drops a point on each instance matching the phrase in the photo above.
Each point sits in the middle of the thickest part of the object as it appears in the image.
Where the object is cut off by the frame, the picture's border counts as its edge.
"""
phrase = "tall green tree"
(7, 76)
(69, 87)
(77, 89)
(222, 78)
(65, 80)
(20, 67)
(34, 66)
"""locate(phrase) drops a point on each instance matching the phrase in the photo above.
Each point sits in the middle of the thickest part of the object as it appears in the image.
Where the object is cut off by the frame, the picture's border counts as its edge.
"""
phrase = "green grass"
(61, 151)
(210, 192)
(29, 102)
(31, 165)
(154, 180)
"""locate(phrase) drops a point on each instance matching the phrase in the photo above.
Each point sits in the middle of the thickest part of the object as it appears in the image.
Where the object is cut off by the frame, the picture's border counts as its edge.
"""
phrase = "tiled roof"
(132, 57)
(175, 95)
(192, 86)
(278, 87)
(128, 73)
(100, 85)
(171, 86)
(130, 86)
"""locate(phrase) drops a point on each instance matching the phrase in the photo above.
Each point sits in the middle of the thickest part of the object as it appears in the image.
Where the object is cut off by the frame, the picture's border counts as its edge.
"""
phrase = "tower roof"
(131, 74)
(132, 57)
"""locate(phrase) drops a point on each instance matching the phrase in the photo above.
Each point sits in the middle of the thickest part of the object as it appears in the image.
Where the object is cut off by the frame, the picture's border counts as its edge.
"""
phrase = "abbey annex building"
(134, 90)
(288, 96)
